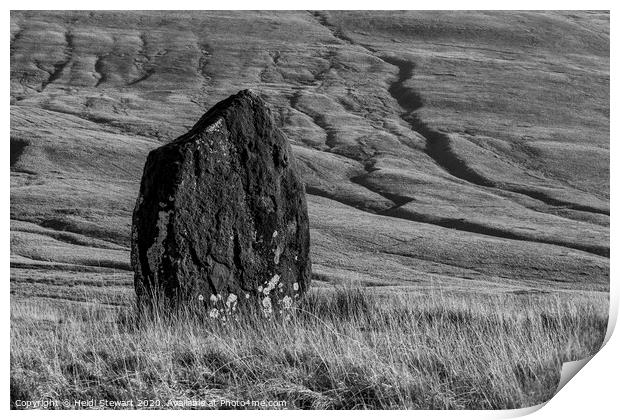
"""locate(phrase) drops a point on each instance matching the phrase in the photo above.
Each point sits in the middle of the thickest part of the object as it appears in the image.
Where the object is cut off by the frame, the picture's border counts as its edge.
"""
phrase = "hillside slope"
(463, 149)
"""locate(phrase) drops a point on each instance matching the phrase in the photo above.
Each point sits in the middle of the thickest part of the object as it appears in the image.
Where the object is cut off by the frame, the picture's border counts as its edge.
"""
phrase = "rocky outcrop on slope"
(221, 215)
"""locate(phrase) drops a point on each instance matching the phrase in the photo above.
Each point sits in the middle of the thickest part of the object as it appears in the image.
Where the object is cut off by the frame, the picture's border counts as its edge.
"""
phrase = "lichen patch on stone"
(271, 284)
(276, 255)
(216, 126)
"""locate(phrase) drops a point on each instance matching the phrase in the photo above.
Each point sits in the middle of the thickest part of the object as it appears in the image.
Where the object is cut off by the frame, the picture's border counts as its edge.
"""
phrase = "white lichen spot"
(274, 280)
(267, 307)
(214, 313)
(295, 257)
(287, 302)
(295, 286)
(201, 297)
(271, 284)
(260, 289)
(231, 300)
(247, 295)
(275, 234)
(213, 299)
(219, 297)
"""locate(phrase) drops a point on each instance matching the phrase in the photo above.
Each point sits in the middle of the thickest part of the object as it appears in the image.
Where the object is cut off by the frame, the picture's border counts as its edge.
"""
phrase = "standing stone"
(221, 216)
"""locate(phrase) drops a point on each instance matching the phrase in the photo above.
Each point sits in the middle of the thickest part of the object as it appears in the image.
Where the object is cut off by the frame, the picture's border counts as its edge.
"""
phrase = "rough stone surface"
(221, 215)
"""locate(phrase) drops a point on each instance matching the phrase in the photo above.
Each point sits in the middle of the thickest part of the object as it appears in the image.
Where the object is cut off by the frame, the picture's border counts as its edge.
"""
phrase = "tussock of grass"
(344, 348)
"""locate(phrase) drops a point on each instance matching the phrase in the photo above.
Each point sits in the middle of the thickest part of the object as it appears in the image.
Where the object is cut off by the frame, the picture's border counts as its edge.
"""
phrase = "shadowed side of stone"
(221, 214)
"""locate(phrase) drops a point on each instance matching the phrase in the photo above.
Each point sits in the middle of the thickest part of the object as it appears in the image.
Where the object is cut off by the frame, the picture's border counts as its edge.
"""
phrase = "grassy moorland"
(339, 348)
(463, 151)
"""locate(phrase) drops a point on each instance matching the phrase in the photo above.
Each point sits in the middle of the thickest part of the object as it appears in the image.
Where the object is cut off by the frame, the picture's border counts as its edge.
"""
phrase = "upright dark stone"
(221, 215)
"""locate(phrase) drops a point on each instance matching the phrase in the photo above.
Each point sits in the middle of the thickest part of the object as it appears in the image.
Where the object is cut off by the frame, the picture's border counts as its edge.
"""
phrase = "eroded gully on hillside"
(438, 147)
